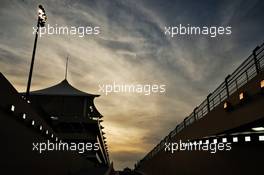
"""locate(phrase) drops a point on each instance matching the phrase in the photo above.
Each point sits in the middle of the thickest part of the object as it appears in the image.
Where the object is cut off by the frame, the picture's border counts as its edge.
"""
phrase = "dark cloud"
(117, 45)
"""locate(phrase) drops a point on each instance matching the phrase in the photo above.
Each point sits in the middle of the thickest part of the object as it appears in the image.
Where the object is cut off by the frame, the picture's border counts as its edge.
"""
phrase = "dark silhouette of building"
(59, 113)
(73, 116)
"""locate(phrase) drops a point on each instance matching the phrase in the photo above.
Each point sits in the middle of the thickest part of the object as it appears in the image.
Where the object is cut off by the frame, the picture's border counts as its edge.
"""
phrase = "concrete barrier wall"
(243, 159)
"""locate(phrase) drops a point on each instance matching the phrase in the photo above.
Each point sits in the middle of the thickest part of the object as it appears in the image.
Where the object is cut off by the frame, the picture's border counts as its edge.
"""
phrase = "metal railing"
(244, 73)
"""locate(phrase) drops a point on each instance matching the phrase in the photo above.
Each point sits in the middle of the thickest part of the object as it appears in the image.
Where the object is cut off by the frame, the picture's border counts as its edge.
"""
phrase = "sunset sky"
(131, 49)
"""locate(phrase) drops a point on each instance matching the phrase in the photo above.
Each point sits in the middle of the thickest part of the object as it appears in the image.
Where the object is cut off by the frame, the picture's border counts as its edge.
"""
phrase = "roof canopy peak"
(64, 88)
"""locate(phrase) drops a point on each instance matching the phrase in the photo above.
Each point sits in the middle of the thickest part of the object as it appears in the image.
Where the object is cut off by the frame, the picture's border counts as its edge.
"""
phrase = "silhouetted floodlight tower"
(42, 18)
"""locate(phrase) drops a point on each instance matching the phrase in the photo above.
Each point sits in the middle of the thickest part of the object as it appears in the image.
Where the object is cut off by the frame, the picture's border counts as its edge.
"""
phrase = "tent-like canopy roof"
(63, 88)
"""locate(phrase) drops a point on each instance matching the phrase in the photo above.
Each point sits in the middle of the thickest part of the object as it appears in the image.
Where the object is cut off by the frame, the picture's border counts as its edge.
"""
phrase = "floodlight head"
(42, 18)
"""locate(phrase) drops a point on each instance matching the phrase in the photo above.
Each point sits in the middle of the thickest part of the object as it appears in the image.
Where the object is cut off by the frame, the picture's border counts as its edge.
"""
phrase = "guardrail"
(244, 73)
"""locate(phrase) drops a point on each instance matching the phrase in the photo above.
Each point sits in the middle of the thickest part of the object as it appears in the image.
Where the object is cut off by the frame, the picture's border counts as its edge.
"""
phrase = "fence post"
(247, 75)
(184, 122)
(226, 85)
(208, 102)
(194, 113)
(176, 129)
(255, 59)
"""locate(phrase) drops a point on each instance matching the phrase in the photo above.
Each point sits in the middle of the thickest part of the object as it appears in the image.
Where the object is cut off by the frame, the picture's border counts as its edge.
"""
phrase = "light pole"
(41, 23)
